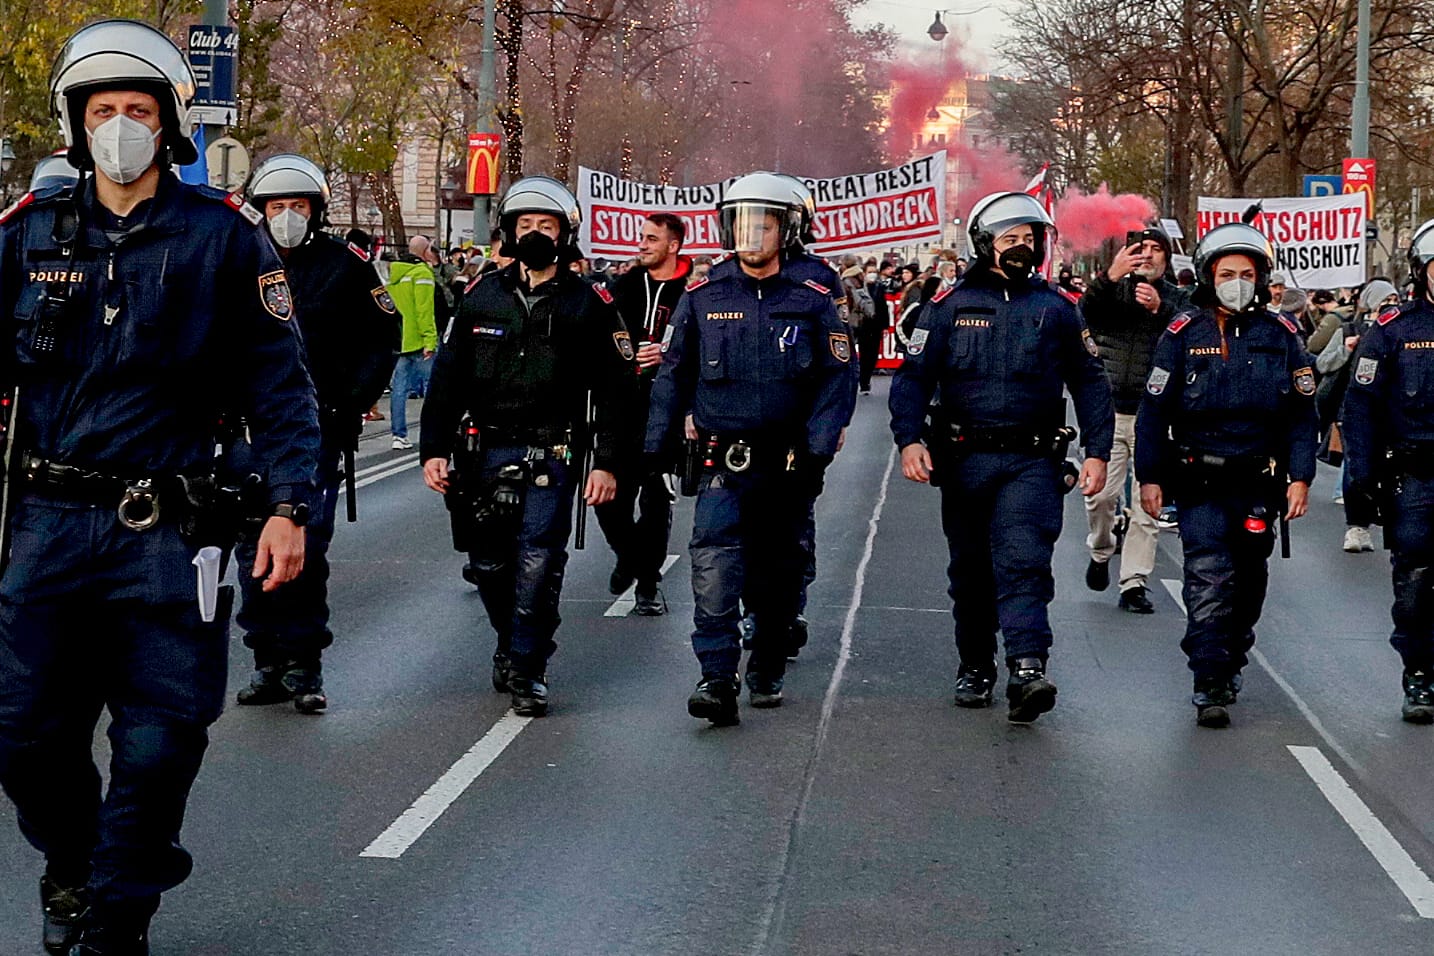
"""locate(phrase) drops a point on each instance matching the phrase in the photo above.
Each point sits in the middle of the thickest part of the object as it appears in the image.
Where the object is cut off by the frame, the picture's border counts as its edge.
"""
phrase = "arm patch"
(942, 293)
(236, 202)
(814, 284)
(1180, 322)
(1288, 323)
(358, 251)
(603, 293)
(696, 284)
(1385, 317)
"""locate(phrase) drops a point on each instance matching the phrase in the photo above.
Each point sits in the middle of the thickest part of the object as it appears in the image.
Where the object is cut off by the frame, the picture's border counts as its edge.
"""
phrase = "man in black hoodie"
(1126, 308)
(645, 297)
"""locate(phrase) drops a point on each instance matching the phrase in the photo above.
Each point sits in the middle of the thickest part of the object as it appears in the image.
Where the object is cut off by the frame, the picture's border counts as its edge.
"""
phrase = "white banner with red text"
(1319, 240)
(898, 206)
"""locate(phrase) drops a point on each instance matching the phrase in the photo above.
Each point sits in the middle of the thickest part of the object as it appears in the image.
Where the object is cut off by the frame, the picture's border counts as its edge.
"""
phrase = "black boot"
(502, 670)
(306, 686)
(797, 637)
(1136, 600)
(1028, 693)
(974, 687)
(112, 940)
(1212, 699)
(649, 601)
(1418, 696)
(530, 695)
(764, 690)
(64, 909)
(620, 580)
(1097, 575)
(715, 699)
(265, 687)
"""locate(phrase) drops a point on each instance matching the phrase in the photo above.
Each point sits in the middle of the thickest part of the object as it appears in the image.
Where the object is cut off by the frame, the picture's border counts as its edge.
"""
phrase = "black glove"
(809, 473)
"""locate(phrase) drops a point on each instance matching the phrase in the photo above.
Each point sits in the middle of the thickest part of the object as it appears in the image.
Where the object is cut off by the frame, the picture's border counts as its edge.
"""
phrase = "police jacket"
(1127, 332)
(763, 359)
(521, 362)
(129, 336)
(350, 325)
(1390, 399)
(1000, 354)
(1246, 391)
(646, 306)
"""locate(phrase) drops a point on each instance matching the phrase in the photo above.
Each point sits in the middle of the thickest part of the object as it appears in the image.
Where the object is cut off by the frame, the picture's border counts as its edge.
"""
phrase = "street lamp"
(937, 31)
(7, 162)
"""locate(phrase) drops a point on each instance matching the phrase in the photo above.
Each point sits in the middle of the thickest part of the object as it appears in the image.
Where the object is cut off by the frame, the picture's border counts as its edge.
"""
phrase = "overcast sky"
(983, 29)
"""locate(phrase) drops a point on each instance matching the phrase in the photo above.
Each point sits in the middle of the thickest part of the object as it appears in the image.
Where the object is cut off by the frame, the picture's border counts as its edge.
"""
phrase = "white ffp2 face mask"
(288, 228)
(1236, 294)
(123, 148)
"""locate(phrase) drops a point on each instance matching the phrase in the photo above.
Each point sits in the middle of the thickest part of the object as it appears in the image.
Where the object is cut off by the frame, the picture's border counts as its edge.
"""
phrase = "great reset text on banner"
(1319, 241)
(890, 207)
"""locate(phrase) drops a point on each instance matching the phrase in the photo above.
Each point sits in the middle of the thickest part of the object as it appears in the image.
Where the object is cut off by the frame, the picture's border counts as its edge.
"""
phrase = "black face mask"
(536, 250)
(1017, 262)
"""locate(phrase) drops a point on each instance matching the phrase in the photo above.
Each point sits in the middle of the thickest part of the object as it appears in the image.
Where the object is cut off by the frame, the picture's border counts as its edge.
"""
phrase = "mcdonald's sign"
(1359, 177)
(483, 152)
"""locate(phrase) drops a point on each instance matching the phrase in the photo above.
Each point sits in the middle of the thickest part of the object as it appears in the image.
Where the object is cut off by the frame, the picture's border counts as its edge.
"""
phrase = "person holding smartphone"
(1126, 307)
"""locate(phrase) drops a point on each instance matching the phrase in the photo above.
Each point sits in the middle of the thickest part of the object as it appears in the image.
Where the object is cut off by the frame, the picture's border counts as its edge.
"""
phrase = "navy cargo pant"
(1001, 514)
(1226, 574)
(94, 616)
(290, 625)
(1410, 533)
(520, 572)
(746, 544)
(641, 544)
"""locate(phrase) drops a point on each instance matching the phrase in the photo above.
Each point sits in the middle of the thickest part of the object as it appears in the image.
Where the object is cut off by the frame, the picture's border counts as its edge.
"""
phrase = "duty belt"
(1015, 440)
(736, 454)
(136, 500)
(543, 444)
(1415, 458)
(1235, 464)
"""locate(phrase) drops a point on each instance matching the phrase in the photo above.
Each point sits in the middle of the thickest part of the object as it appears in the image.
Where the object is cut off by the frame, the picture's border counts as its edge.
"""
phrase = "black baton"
(351, 505)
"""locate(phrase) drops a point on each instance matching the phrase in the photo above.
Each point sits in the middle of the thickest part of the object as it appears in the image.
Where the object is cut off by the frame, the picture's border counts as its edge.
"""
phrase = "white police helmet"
(539, 194)
(53, 170)
(1421, 253)
(742, 213)
(123, 54)
(998, 213)
(1233, 238)
(289, 176)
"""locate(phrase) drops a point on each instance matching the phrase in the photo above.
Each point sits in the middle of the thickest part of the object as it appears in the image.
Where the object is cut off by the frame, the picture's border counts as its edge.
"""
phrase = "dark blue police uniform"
(1228, 416)
(351, 332)
(127, 338)
(764, 366)
(520, 364)
(1388, 432)
(998, 354)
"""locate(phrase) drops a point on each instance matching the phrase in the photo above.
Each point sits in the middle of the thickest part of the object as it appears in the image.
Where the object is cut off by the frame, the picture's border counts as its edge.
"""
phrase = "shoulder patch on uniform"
(603, 292)
(1068, 295)
(942, 293)
(236, 202)
(1180, 322)
(1366, 370)
(16, 206)
(722, 258)
(359, 251)
(1090, 345)
(274, 294)
(814, 284)
(696, 284)
(916, 344)
(1159, 378)
(384, 300)
(1385, 317)
(1288, 323)
(840, 346)
(1305, 380)
(623, 341)
(477, 279)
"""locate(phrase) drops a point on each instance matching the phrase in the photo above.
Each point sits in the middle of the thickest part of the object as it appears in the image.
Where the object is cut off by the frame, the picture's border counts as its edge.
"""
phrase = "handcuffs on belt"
(738, 457)
(139, 508)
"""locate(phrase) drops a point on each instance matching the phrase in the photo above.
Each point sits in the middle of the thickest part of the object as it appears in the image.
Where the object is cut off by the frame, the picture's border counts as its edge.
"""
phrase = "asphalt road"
(865, 816)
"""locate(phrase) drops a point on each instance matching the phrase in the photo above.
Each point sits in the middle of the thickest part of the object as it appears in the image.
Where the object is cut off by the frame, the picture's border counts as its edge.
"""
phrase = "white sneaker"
(1357, 540)
(402, 444)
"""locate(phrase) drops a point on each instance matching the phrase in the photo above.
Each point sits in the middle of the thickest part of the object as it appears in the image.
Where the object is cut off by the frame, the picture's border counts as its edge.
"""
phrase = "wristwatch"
(297, 513)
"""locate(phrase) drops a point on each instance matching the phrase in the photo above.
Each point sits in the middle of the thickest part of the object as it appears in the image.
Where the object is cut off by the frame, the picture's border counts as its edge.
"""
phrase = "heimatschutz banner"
(890, 207)
(1319, 240)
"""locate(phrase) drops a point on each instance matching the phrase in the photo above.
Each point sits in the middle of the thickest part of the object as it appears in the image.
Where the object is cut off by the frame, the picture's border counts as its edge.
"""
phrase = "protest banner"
(1319, 240)
(901, 205)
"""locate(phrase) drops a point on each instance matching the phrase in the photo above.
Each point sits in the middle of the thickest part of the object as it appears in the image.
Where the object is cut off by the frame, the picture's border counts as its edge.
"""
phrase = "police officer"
(761, 359)
(528, 345)
(1389, 453)
(998, 347)
(1227, 430)
(351, 335)
(139, 307)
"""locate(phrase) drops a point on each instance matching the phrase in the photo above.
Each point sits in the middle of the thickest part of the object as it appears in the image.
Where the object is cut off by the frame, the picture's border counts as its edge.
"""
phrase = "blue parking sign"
(1324, 185)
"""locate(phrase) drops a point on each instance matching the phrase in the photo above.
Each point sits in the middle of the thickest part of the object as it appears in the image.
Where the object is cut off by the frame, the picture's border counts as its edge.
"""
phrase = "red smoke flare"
(1085, 220)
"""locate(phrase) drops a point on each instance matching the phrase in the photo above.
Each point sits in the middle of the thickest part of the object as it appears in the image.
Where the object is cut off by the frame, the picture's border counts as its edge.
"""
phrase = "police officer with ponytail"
(506, 425)
(351, 335)
(137, 308)
(998, 348)
(1226, 431)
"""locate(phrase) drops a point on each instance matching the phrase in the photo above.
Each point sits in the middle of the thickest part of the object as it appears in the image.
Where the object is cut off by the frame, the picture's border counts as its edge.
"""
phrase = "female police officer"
(137, 308)
(999, 346)
(1227, 429)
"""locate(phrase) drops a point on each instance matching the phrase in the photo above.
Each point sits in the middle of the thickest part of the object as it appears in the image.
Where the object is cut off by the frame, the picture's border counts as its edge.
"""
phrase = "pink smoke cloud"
(1085, 220)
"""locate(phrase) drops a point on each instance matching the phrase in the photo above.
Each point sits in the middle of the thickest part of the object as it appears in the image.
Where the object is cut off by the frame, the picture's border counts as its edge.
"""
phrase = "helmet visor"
(753, 227)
